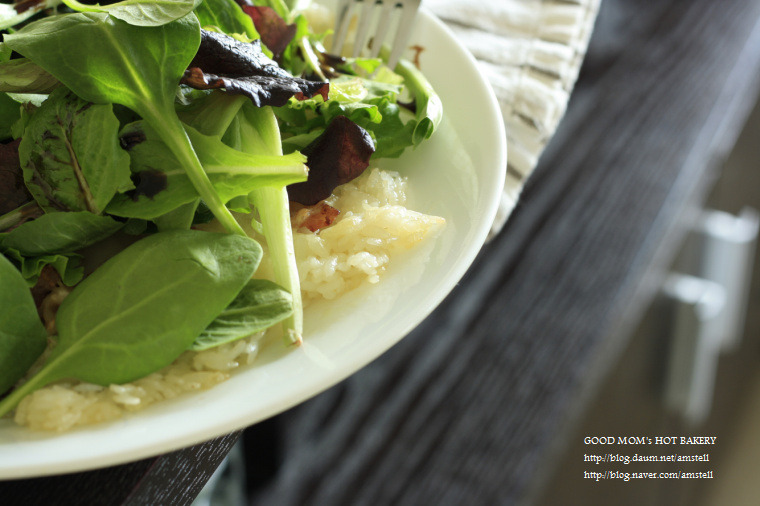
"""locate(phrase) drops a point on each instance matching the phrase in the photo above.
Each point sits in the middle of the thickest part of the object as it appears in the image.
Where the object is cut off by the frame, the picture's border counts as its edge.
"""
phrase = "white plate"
(458, 174)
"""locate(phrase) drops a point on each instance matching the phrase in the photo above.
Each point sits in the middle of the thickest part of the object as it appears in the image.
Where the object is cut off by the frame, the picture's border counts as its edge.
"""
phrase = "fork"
(382, 13)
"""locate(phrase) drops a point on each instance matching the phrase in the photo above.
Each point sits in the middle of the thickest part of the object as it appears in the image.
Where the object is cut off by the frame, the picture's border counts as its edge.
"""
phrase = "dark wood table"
(471, 405)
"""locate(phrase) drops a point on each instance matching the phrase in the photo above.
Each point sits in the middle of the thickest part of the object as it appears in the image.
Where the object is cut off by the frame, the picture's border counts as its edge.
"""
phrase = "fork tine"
(362, 27)
(381, 31)
(404, 10)
(404, 30)
(342, 21)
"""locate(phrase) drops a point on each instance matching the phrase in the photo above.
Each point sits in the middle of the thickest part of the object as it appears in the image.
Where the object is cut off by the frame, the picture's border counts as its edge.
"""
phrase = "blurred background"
(691, 367)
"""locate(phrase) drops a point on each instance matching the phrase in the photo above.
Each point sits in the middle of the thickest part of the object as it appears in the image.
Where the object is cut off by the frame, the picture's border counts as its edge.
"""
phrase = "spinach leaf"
(141, 12)
(144, 307)
(22, 336)
(163, 185)
(138, 67)
(58, 233)
(180, 218)
(71, 156)
(258, 306)
(24, 76)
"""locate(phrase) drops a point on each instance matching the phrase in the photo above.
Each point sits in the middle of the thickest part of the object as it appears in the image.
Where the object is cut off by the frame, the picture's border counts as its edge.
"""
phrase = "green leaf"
(54, 233)
(371, 103)
(26, 112)
(71, 156)
(180, 218)
(212, 114)
(227, 16)
(5, 52)
(138, 67)
(141, 12)
(10, 112)
(144, 307)
(231, 172)
(392, 135)
(280, 7)
(24, 76)
(427, 103)
(68, 265)
(258, 306)
(22, 336)
(135, 226)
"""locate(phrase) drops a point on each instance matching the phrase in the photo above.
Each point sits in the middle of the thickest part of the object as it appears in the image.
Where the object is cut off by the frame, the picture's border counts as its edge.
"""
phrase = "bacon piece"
(314, 218)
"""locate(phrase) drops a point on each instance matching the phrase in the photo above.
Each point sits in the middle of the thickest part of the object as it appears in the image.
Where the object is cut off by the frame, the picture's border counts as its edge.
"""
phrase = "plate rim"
(192, 437)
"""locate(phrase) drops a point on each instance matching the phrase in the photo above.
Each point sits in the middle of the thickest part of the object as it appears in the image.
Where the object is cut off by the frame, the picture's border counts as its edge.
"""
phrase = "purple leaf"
(275, 32)
(334, 158)
(241, 67)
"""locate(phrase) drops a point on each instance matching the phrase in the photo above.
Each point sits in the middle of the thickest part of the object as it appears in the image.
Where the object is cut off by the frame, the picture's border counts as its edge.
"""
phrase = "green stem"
(175, 137)
(273, 206)
(18, 215)
(216, 112)
(274, 210)
(425, 97)
(80, 7)
(311, 58)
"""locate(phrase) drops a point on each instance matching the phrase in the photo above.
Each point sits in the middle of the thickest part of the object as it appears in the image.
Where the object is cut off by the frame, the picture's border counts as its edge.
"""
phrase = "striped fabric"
(531, 52)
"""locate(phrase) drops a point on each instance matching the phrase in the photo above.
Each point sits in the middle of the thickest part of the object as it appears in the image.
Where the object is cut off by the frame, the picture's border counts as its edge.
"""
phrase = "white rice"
(372, 227)
(67, 404)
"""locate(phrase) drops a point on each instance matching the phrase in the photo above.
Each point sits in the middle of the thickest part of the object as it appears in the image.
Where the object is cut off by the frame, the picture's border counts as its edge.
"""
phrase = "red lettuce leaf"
(241, 67)
(334, 158)
(25, 5)
(275, 32)
(262, 90)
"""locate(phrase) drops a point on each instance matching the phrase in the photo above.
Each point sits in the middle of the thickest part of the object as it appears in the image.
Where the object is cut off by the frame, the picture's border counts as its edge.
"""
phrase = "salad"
(149, 150)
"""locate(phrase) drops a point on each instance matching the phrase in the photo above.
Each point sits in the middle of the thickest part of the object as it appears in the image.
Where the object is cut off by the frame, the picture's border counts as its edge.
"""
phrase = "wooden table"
(468, 407)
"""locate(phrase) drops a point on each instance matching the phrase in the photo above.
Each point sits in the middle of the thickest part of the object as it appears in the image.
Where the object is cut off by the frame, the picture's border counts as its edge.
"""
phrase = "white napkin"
(531, 52)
